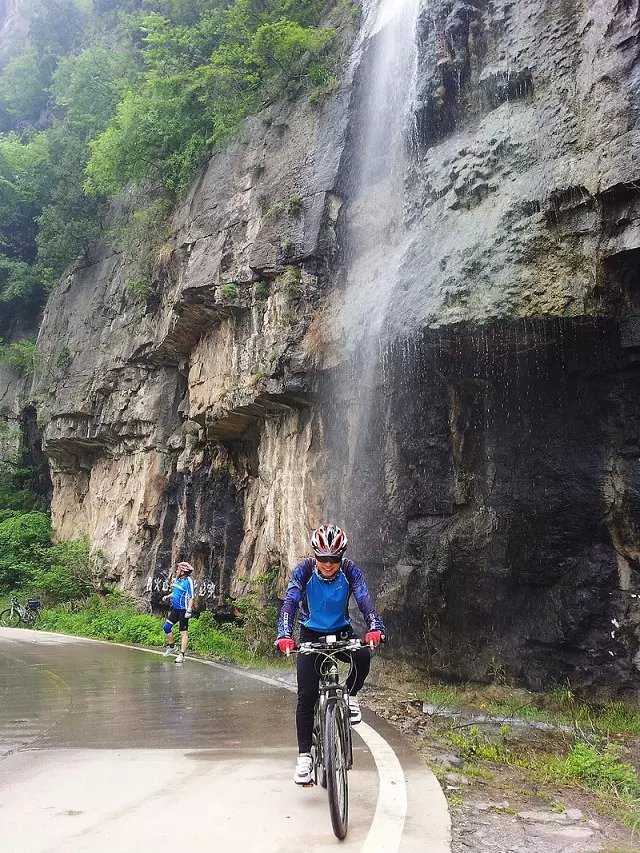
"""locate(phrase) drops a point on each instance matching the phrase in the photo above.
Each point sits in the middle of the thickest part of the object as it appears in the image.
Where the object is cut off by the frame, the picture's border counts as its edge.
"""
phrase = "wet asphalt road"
(106, 748)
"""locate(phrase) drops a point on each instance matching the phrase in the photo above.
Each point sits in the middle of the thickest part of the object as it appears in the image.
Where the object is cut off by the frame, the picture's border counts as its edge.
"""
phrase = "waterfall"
(384, 120)
(374, 245)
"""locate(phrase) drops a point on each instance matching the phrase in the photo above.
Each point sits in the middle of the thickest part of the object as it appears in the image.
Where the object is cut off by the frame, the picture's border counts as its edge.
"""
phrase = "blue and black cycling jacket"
(182, 593)
(324, 605)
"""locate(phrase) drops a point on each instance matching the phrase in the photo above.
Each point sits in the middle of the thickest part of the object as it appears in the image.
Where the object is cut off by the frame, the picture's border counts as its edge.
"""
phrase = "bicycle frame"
(28, 614)
(332, 729)
(330, 688)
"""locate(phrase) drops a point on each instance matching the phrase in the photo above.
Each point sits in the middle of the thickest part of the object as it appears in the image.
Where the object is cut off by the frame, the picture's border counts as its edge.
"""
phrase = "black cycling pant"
(309, 680)
(177, 615)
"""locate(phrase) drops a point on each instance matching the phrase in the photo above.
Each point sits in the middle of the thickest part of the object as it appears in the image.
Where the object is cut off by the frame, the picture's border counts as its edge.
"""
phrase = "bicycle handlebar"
(350, 645)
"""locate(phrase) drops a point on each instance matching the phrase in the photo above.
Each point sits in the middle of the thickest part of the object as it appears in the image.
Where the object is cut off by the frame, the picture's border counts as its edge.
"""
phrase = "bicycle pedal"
(308, 784)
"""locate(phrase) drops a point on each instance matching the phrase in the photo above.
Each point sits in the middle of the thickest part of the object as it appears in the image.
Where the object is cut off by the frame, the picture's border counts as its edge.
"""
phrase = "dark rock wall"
(203, 511)
(494, 496)
(507, 490)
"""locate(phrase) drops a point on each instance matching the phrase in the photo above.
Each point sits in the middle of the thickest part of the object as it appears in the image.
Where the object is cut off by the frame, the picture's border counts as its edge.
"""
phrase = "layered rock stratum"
(497, 514)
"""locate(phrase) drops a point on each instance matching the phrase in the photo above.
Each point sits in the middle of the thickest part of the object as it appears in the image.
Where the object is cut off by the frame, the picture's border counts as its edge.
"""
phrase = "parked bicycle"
(19, 613)
(331, 744)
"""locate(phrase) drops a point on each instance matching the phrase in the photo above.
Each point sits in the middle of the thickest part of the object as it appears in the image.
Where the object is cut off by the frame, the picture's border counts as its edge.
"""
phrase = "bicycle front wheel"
(335, 762)
(10, 618)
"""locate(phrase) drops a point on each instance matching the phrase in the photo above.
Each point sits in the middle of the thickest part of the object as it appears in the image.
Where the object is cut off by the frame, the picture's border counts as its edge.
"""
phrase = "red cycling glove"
(374, 637)
(285, 644)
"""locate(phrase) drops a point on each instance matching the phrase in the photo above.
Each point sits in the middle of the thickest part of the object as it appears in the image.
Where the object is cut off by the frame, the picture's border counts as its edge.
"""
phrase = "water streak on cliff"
(374, 222)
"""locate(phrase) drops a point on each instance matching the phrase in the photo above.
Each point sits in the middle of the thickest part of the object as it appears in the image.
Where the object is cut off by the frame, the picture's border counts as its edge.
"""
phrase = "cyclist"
(181, 598)
(322, 586)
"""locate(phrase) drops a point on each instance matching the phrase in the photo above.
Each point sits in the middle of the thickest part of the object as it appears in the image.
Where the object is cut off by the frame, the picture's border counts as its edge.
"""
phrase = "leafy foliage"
(109, 93)
(24, 538)
(229, 290)
(23, 87)
(199, 81)
(15, 476)
(65, 572)
(107, 619)
(20, 355)
(601, 769)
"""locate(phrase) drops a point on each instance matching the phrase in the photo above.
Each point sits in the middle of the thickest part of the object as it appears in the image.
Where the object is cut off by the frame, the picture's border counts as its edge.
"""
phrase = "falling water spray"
(375, 243)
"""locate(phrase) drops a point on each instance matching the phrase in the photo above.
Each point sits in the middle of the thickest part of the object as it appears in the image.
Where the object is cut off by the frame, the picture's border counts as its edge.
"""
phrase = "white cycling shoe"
(169, 650)
(304, 769)
(355, 714)
(179, 658)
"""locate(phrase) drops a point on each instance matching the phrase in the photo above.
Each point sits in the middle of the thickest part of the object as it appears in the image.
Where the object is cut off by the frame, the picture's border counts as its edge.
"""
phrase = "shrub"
(230, 290)
(103, 621)
(258, 623)
(65, 573)
(206, 637)
(20, 355)
(601, 769)
(288, 247)
(141, 628)
(139, 288)
(261, 289)
(24, 538)
(291, 280)
(64, 357)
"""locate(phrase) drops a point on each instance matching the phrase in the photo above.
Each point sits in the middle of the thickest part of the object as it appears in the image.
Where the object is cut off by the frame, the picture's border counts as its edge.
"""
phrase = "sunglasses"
(329, 559)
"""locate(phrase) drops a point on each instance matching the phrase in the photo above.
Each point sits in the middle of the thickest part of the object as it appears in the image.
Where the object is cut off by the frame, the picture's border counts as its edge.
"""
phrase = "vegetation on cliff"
(117, 99)
(104, 94)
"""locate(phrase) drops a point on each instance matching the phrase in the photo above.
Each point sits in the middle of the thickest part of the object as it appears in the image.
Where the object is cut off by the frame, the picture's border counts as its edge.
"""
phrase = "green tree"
(88, 86)
(200, 81)
(23, 87)
(24, 538)
(21, 355)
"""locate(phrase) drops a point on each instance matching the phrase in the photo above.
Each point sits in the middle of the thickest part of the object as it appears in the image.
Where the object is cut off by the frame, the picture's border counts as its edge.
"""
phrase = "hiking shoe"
(179, 658)
(170, 650)
(355, 714)
(304, 769)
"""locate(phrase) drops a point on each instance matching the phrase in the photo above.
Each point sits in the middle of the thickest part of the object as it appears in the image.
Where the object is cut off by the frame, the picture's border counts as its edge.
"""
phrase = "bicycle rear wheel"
(335, 762)
(10, 618)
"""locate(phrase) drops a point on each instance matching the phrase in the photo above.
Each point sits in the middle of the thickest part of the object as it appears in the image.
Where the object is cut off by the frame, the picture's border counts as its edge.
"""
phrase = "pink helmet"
(328, 541)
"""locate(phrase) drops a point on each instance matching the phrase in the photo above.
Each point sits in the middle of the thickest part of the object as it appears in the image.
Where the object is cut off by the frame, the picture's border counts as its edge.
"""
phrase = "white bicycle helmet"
(328, 541)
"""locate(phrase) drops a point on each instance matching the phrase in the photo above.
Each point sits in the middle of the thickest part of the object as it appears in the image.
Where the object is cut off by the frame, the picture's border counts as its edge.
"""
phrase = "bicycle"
(331, 743)
(18, 613)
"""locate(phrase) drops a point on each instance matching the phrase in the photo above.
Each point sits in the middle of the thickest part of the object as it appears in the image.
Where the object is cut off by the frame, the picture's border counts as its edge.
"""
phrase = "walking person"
(181, 600)
(321, 586)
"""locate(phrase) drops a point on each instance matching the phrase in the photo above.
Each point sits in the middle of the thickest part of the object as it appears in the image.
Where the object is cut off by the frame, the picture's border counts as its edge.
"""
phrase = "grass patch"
(594, 767)
(261, 288)
(560, 707)
(293, 206)
(444, 695)
(601, 770)
(518, 710)
(106, 619)
(475, 772)
(291, 281)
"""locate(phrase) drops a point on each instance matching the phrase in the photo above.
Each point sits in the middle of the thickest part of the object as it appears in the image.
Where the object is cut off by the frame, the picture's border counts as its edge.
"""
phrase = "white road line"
(387, 826)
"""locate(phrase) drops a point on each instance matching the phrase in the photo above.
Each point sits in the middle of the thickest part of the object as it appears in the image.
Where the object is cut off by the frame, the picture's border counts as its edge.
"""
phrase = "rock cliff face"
(497, 509)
